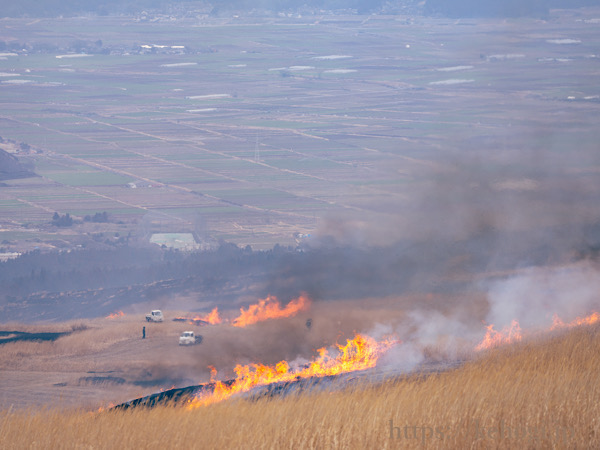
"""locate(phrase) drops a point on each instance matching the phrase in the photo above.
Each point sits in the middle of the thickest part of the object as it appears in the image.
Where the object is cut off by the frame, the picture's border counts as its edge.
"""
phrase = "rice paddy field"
(263, 128)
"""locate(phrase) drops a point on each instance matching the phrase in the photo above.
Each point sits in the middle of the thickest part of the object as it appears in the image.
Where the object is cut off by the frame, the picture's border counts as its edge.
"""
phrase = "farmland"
(265, 128)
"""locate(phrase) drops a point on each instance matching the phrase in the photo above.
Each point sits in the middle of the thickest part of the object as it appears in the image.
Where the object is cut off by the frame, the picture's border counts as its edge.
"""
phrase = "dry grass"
(88, 338)
(24, 355)
(115, 344)
(538, 394)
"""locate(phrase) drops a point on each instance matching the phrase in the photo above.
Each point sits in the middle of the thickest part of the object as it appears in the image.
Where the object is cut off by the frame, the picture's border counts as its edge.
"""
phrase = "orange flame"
(513, 333)
(102, 408)
(493, 338)
(557, 322)
(115, 315)
(212, 318)
(359, 353)
(270, 308)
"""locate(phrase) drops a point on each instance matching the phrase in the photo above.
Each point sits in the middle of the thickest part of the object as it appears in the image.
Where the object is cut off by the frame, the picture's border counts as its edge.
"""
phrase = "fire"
(588, 320)
(513, 332)
(212, 318)
(102, 408)
(493, 338)
(270, 308)
(115, 315)
(359, 353)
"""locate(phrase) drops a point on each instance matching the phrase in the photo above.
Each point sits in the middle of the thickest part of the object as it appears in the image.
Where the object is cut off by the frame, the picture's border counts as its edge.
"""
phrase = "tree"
(62, 221)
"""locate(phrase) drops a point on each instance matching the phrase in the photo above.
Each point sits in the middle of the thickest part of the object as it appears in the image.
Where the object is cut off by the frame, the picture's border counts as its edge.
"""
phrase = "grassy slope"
(543, 393)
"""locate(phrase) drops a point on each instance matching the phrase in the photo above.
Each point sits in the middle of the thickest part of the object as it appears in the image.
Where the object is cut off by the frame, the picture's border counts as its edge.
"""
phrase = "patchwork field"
(264, 128)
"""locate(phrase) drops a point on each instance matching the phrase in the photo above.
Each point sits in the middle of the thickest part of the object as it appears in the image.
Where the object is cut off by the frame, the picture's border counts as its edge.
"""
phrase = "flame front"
(212, 317)
(115, 315)
(493, 338)
(270, 308)
(359, 353)
(557, 322)
(512, 333)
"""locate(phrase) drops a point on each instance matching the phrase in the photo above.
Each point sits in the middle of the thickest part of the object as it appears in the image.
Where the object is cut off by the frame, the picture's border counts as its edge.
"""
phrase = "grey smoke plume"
(428, 336)
(533, 296)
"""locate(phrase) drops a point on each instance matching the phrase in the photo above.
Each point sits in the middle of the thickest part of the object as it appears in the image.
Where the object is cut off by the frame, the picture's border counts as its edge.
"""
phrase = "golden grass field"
(540, 393)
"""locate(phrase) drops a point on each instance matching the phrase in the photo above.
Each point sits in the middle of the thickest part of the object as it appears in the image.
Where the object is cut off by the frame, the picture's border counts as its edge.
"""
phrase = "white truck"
(189, 338)
(155, 316)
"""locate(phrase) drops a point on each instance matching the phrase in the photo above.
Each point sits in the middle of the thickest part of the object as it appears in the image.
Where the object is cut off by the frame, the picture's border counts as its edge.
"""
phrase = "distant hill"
(54, 8)
(500, 8)
(11, 168)
(487, 8)
(451, 8)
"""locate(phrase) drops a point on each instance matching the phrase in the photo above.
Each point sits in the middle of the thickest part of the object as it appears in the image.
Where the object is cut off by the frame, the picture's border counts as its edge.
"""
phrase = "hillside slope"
(11, 168)
(538, 394)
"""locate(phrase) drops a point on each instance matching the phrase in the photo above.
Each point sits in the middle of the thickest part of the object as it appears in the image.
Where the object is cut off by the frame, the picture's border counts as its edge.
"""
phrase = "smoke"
(535, 295)
(428, 337)
(475, 236)
(503, 202)
(467, 194)
(426, 332)
(431, 337)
